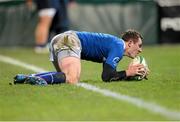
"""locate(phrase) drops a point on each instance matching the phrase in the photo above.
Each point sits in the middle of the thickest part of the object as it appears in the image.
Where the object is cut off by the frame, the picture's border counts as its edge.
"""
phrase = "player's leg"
(42, 30)
(71, 66)
(41, 78)
(52, 77)
(46, 14)
(65, 53)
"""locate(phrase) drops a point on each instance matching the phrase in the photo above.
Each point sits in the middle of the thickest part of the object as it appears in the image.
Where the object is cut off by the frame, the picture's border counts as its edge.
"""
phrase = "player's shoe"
(34, 80)
(41, 50)
(20, 78)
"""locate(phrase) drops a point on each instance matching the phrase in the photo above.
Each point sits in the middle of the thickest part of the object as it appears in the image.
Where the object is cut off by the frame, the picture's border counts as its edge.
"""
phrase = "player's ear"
(130, 42)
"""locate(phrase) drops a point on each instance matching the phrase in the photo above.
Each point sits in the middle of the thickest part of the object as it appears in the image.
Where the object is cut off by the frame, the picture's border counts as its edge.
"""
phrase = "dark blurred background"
(157, 20)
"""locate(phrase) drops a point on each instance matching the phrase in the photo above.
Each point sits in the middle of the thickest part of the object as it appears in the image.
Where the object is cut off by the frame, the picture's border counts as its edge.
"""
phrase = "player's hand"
(137, 69)
(147, 71)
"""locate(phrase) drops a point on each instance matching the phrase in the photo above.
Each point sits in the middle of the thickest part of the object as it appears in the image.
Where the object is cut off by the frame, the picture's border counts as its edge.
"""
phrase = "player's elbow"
(105, 77)
(108, 73)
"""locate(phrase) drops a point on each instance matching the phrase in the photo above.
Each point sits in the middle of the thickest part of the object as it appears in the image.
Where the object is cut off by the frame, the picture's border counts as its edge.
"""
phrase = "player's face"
(135, 48)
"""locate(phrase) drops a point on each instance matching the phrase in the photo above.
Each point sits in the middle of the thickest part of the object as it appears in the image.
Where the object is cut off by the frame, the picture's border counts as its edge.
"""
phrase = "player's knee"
(73, 80)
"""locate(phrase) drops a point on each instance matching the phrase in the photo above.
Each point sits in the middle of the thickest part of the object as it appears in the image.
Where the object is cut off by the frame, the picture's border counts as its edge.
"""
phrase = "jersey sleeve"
(115, 55)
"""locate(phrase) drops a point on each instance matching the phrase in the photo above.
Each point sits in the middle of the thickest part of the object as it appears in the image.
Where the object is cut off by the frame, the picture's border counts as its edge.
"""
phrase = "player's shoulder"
(104, 36)
(118, 41)
(95, 33)
(118, 47)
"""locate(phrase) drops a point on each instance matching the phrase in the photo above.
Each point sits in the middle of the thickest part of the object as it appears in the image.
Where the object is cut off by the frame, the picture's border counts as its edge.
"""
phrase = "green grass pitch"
(70, 102)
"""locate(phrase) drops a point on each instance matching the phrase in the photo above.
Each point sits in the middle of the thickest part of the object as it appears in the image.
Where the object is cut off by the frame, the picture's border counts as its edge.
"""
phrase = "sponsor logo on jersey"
(115, 61)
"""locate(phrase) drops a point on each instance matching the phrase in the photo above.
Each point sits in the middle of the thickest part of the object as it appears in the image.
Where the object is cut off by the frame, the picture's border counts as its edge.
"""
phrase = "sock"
(52, 77)
(41, 45)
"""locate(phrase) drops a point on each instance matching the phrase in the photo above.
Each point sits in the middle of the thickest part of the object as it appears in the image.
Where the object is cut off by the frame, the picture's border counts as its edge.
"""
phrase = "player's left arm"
(110, 74)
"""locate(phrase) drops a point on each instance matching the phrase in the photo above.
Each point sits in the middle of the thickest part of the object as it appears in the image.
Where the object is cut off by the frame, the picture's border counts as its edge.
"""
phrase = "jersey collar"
(124, 45)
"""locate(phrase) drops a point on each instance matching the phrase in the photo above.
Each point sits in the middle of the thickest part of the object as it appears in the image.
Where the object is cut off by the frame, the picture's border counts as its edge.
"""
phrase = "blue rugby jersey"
(99, 47)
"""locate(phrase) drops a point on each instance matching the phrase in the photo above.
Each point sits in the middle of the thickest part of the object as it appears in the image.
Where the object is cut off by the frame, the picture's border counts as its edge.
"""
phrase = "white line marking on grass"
(20, 64)
(175, 115)
(136, 101)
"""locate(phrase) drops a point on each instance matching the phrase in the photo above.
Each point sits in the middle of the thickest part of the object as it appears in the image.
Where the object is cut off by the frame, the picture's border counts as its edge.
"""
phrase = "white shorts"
(63, 45)
(50, 12)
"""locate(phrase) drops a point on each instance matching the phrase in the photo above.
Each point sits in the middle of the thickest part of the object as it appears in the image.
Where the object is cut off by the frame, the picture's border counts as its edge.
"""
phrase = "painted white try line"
(174, 115)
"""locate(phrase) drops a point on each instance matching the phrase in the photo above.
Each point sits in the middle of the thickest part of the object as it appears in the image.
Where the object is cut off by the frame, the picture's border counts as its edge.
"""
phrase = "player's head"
(133, 40)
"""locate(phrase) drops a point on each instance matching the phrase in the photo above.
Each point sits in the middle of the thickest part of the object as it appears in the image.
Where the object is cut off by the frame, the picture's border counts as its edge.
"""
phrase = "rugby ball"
(140, 60)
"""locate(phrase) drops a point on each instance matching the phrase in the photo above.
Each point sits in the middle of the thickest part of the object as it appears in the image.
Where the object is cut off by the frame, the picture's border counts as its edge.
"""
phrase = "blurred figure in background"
(52, 19)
